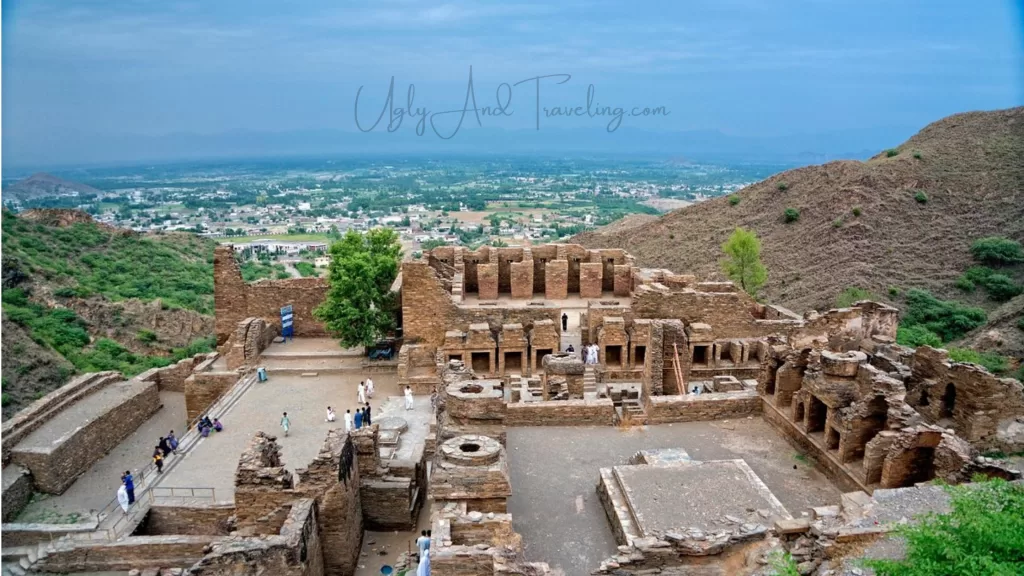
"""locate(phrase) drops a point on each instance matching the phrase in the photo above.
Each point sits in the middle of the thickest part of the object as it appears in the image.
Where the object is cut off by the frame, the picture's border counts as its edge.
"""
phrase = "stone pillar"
(556, 280)
(487, 281)
(623, 279)
(522, 279)
(591, 275)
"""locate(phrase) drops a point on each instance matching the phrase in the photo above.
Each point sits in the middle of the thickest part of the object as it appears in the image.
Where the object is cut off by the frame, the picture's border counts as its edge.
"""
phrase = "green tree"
(359, 307)
(743, 261)
(982, 535)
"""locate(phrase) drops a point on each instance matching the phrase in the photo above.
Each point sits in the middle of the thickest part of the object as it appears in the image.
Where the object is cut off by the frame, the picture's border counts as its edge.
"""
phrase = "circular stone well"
(843, 364)
(471, 450)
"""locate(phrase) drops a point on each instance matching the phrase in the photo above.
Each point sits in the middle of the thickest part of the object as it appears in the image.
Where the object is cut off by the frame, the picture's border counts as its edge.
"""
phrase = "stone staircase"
(616, 507)
(633, 411)
(590, 381)
(113, 524)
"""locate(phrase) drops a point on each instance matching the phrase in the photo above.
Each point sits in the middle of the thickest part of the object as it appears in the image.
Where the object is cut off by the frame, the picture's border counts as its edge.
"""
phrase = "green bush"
(915, 336)
(992, 362)
(947, 319)
(1000, 287)
(917, 155)
(964, 283)
(837, 223)
(146, 336)
(997, 250)
(306, 269)
(981, 535)
(921, 197)
(792, 214)
(851, 295)
(783, 186)
(734, 200)
(1020, 323)
(857, 211)
(894, 291)
(282, 275)
(892, 152)
(65, 292)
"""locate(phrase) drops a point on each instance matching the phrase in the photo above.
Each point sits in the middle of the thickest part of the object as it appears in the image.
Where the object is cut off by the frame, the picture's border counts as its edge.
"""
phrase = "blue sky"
(78, 71)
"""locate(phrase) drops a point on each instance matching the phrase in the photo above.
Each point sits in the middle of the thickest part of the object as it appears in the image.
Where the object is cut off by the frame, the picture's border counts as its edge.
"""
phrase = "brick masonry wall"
(522, 279)
(125, 554)
(195, 520)
(17, 492)
(235, 300)
(202, 389)
(55, 469)
(561, 413)
(556, 280)
(385, 503)
(591, 279)
(702, 407)
(487, 281)
(729, 314)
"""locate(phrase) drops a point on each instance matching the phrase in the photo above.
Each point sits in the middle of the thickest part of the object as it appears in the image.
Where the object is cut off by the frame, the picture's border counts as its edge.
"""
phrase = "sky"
(103, 80)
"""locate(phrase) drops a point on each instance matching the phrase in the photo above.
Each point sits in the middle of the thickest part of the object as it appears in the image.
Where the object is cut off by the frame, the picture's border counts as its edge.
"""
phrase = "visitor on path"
(204, 431)
(164, 446)
(172, 440)
(361, 393)
(592, 354)
(286, 423)
(330, 415)
(158, 459)
(565, 321)
(428, 539)
(129, 486)
(122, 498)
(408, 398)
(570, 349)
(424, 568)
(433, 399)
(359, 418)
(348, 420)
(422, 544)
(217, 425)
(366, 415)
(369, 388)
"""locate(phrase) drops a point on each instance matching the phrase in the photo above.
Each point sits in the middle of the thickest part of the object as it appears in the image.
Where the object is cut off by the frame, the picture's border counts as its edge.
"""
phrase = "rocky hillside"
(80, 296)
(40, 185)
(904, 219)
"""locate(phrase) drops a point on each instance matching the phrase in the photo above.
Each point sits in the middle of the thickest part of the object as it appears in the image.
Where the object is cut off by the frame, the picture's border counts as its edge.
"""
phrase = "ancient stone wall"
(235, 300)
(55, 467)
(263, 487)
(702, 407)
(17, 491)
(730, 314)
(173, 377)
(202, 389)
(191, 520)
(124, 554)
(599, 412)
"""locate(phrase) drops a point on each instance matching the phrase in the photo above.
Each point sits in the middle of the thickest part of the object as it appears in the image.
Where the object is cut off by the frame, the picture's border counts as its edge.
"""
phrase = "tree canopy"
(359, 308)
(743, 261)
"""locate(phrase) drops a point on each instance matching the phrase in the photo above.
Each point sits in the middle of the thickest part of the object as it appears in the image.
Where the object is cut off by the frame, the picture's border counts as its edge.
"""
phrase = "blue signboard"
(287, 330)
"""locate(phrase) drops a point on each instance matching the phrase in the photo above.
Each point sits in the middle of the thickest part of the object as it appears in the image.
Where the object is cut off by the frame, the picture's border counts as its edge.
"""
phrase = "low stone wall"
(172, 378)
(56, 466)
(387, 503)
(39, 412)
(202, 389)
(194, 520)
(17, 534)
(599, 412)
(496, 531)
(124, 554)
(17, 484)
(702, 407)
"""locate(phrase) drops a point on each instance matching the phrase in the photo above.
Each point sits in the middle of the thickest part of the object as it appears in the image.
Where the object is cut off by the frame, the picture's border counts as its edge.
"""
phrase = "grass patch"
(946, 319)
(921, 197)
(791, 215)
(853, 294)
(992, 362)
(892, 152)
(783, 186)
(734, 200)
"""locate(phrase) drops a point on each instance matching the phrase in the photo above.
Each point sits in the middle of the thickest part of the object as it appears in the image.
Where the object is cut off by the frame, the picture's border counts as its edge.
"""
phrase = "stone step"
(614, 493)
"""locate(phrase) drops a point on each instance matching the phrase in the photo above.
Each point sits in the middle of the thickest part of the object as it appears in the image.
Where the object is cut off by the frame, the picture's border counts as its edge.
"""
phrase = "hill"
(40, 184)
(79, 296)
(903, 219)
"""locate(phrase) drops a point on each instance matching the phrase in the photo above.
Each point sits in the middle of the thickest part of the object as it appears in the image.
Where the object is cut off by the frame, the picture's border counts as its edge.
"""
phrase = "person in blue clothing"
(129, 486)
(359, 418)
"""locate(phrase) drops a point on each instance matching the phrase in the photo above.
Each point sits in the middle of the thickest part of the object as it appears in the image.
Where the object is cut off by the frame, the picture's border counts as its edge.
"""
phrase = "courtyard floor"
(554, 503)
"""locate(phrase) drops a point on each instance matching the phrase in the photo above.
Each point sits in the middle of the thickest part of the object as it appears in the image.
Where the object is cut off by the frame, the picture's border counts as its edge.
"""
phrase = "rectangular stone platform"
(68, 444)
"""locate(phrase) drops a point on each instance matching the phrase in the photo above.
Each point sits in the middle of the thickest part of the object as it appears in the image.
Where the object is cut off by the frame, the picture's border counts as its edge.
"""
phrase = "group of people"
(166, 446)
(364, 391)
(362, 417)
(126, 493)
(423, 546)
(205, 426)
(589, 354)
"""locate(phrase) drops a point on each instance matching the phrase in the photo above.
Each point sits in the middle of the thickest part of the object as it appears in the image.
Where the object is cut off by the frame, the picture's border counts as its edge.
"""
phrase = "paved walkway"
(213, 461)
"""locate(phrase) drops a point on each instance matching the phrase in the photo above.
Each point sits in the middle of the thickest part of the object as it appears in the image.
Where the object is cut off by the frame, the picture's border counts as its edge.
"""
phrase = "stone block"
(591, 276)
(556, 280)
(487, 281)
(522, 279)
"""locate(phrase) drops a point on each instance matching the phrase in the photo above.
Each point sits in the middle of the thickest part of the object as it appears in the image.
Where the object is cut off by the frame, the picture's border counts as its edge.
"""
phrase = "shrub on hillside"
(917, 155)
(992, 362)
(146, 336)
(792, 214)
(921, 197)
(892, 152)
(857, 211)
(997, 250)
(734, 200)
(837, 223)
(783, 186)
(851, 295)
(1000, 287)
(947, 319)
(915, 336)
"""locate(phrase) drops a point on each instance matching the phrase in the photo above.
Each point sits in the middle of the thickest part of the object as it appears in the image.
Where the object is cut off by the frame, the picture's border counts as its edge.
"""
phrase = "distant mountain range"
(702, 146)
(40, 184)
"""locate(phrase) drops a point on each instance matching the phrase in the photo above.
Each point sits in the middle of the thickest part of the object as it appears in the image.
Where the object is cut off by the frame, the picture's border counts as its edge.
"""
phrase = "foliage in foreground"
(743, 261)
(997, 250)
(992, 362)
(1000, 287)
(359, 307)
(853, 294)
(982, 535)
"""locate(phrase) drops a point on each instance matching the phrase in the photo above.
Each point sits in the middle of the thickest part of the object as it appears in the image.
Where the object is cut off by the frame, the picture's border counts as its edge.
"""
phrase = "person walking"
(158, 459)
(164, 446)
(422, 544)
(366, 414)
(361, 393)
(129, 486)
(122, 498)
(369, 388)
(408, 398)
(285, 423)
(565, 321)
(172, 441)
(348, 420)
(359, 418)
